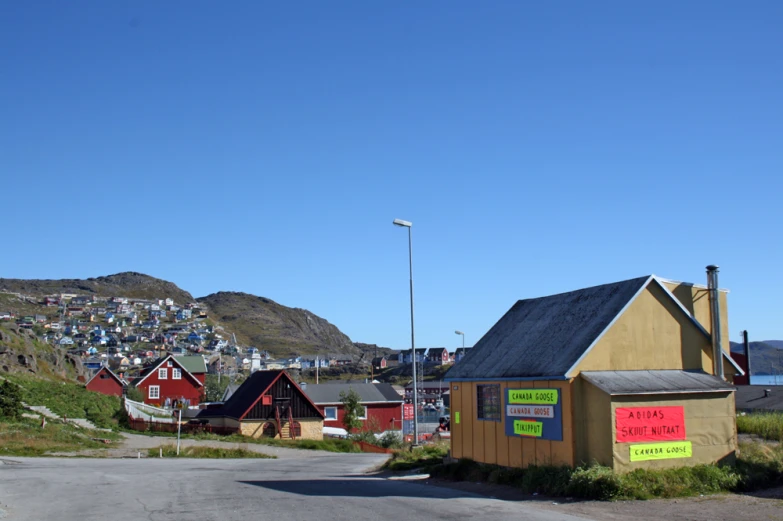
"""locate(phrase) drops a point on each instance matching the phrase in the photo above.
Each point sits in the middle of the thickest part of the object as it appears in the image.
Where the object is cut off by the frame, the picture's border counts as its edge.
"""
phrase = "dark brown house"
(270, 404)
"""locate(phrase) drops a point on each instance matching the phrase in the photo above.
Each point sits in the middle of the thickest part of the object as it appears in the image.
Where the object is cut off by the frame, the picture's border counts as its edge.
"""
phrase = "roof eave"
(511, 379)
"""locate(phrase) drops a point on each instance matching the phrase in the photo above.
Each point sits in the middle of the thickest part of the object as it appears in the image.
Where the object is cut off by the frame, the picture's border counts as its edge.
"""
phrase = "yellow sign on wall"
(528, 428)
(532, 396)
(664, 450)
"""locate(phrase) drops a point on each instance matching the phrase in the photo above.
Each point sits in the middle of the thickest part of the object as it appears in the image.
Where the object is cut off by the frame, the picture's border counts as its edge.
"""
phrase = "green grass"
(425, 457)
(759, 465)
(767, 425)
(170, 451)
(25, 437)
(69, 399)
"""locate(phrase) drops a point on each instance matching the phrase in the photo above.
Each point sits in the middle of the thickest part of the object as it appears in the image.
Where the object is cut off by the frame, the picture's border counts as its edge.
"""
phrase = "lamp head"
(400, 222)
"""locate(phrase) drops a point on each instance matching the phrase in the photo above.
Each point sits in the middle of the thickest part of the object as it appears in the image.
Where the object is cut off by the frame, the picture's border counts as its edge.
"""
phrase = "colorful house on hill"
(269, 404)
(106, 382)
(166, 381)
(382, 404)
(620, 374)
(438, 355)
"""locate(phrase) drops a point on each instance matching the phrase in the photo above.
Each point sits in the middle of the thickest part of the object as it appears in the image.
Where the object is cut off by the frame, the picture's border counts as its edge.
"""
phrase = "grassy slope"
(68, 399)
(26, 437)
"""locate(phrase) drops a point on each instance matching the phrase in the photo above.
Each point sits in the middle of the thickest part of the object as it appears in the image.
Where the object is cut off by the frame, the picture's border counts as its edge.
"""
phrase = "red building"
(742, 361)
(106, 382)
(168, 381)
(382, 404)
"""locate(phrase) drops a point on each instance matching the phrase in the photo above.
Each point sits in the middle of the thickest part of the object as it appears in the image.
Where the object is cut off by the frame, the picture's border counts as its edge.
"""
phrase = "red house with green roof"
(167, 381)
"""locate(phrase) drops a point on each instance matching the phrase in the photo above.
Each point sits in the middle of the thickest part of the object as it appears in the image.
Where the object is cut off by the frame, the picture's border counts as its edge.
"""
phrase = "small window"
(363, 415)
(488, 402)
(169, 364)
(163, 374)
(176, 374)
(330, 413)
(104, 376)
(154, 393)
(266, 400)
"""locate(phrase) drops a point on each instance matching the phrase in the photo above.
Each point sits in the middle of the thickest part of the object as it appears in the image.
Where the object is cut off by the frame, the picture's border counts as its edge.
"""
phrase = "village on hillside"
(122, 341)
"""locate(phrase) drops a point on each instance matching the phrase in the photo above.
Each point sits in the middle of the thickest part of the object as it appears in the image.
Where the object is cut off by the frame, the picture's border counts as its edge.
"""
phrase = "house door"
(269, 430)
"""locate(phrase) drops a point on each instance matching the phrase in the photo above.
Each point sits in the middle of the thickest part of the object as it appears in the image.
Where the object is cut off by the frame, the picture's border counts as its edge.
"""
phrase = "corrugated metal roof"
(194, 364)
(545, 336)
(619, 383)
(756, 398)
(330, 393)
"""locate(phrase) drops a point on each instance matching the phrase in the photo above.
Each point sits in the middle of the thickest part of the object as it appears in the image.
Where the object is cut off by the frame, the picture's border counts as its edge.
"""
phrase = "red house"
(167, 379)
(106, 382)
(382, 404)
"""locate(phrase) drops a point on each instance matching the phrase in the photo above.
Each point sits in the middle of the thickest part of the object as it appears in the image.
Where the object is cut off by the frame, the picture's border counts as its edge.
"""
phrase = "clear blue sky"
(267, 147)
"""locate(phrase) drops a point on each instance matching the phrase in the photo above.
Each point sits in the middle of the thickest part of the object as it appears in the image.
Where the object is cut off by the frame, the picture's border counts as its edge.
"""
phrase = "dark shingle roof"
(754, 397)
(330, 393)
(546, 336)
(623, 383)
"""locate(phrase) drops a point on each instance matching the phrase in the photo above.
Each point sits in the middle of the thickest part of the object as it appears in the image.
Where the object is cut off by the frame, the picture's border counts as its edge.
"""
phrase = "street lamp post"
(463, 337)
(408, 225)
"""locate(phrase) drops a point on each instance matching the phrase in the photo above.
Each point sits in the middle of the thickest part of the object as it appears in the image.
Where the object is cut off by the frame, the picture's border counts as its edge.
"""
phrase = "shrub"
(391, 440)
(10, 401)
(427, 456)
(134, 394)
(594, 482)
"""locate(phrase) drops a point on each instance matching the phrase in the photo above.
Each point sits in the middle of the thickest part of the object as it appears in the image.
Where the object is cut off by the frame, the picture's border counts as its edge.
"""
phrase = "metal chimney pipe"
(717, 350)
(746, 344)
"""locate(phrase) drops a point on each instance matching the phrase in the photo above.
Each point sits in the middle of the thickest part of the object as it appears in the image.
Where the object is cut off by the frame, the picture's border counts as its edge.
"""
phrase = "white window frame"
(364, 416)
(327, 416)
(155, 388)
(176, 374)
(163, 374)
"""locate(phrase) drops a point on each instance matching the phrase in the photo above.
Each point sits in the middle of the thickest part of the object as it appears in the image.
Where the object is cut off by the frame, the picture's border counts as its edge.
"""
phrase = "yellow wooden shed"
(620, 374)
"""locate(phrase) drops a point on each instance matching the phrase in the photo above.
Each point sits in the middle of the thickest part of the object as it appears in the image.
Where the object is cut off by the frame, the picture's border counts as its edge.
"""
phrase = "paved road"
(321, 487)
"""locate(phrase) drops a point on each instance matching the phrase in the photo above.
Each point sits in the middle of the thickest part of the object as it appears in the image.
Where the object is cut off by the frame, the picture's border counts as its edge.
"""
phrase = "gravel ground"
(764, 505)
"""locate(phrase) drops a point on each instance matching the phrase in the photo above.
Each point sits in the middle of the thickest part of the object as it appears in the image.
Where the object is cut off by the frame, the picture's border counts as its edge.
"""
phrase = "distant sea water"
(766, 379)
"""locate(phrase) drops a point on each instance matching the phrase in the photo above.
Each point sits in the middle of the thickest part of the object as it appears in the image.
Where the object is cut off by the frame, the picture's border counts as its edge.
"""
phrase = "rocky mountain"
(265, 324)
(22, 351)
(256, 321)
(128, 284)
(765, 357)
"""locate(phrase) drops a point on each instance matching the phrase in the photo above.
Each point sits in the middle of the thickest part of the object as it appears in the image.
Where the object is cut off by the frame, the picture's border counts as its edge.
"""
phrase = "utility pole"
(179, 428)
(317, 366)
